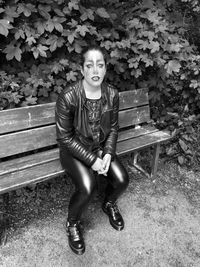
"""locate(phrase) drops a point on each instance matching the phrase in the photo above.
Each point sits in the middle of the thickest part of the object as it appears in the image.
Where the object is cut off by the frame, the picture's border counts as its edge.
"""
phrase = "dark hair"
(90, 48)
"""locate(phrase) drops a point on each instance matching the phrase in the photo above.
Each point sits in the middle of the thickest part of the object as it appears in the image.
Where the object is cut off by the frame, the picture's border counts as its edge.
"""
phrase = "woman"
(87, 126)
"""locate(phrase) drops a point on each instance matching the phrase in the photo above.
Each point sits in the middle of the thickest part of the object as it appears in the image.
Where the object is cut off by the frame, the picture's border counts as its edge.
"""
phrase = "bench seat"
(38, 167)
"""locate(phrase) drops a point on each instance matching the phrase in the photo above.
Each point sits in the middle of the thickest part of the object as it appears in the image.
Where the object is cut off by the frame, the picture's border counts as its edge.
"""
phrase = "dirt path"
(162, 226)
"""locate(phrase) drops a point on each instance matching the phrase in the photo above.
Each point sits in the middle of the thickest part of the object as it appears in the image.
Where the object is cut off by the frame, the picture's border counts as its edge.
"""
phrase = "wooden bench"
(28, 148)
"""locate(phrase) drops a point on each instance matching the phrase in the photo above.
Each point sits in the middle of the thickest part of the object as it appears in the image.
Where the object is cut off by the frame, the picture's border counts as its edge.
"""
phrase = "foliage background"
(152, 44)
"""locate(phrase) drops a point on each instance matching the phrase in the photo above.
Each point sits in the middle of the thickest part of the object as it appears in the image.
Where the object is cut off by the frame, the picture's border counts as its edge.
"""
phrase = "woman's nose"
(95, 70)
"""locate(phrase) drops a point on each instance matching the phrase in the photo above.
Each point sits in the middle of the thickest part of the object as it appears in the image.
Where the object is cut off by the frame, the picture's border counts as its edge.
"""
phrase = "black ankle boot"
(75, 238)
(114, 215)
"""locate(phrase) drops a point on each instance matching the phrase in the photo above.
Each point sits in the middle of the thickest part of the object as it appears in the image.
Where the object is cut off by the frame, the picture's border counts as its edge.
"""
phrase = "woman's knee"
(87, 189)
(119, 175)
(81, 175)
(123, 180)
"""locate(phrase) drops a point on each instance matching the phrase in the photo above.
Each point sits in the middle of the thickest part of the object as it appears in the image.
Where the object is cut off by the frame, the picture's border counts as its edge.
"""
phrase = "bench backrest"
(33, 127)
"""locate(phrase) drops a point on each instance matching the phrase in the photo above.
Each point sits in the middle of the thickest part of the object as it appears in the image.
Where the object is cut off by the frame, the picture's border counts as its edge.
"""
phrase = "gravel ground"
(162, 224)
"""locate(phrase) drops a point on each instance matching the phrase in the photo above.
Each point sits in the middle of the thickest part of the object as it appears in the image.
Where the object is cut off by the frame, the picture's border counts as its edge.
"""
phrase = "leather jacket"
(73, 131)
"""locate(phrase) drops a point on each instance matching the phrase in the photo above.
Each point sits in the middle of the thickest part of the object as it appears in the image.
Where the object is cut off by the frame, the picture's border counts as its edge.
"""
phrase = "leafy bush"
(148, 42)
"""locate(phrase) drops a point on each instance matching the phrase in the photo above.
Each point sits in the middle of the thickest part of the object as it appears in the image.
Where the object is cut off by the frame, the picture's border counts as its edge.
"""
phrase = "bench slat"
(140, 142)
(28, 161)
(135, 132)
(26, 117)
(12, 120)
(30, 175)
(133, 98)
(134, 116)
(28, 140)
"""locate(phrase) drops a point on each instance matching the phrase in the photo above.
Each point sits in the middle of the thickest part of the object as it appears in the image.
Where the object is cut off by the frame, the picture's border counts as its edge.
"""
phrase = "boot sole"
(118, 228)
(77, 251)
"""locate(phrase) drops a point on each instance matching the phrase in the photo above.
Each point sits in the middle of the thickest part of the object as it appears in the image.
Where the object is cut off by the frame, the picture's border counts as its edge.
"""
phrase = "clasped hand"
(101, 166)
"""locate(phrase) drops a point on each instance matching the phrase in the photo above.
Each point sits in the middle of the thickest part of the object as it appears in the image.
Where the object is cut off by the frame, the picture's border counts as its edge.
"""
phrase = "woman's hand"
(98, 165)
(106, 164)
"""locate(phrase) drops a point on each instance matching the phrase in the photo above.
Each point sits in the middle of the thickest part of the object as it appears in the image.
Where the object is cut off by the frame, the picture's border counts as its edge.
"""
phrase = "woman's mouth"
(96, 78)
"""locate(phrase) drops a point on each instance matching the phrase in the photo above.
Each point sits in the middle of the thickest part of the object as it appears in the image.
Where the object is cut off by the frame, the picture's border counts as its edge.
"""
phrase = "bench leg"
(137, 166)
(4, 220)
(154, 166)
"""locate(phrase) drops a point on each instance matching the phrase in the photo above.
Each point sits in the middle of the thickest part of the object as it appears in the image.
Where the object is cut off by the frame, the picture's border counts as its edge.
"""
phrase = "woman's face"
(94, 68)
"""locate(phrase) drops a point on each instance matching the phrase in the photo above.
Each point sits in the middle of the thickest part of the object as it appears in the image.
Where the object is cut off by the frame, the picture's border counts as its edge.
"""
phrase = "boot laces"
(74, 231)
(113, 207)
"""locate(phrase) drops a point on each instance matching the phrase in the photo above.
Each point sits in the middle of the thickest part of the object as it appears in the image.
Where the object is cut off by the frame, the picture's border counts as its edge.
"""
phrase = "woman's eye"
(89, 66)
(100, 65)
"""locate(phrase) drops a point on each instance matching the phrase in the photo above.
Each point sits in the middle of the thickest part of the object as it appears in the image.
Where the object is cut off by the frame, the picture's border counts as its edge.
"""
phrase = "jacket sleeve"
(111, 141)
(64, 115)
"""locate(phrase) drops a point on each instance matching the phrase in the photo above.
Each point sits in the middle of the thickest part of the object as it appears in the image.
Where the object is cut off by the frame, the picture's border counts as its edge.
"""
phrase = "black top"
(94, 115)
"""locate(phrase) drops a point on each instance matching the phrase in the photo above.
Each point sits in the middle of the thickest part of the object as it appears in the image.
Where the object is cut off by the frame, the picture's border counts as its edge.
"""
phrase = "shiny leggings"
(85, 183)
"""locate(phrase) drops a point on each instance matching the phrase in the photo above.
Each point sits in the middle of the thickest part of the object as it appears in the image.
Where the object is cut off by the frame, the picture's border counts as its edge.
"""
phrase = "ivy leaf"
(44, 11)
(138, 73)
(71, 38)
(153, 16)
(181, 160)
(50, 25)
(42, 50)
(59, 27)
(55, 23)
(10, 13)
(73, 23)
(30, 40)
(54, 42)
(43, 92)
(73, 4)
(41, 26)
(71, 76)
(119, 68)
(56, 67)
(145, 58)
(13, 51)
(161, 28)
(59, 12)
(26, 9)
(19, 34)
(30, 100)
(143, 44)
(175, 47)
(64, 62)
(183, 145)
(102, 13)
(133, 63)
(135, 23)
(149, 34)
(87, 14)
(82, 29)
(66, 10)
(154, 46)
(58, 23)
(172, 66)
(107, 44)
(170, 151)
(77, 47)
(39, 50)
(4, 27)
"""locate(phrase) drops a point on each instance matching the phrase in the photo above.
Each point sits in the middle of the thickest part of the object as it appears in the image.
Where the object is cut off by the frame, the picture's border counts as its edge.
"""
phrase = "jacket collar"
(103, 92)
